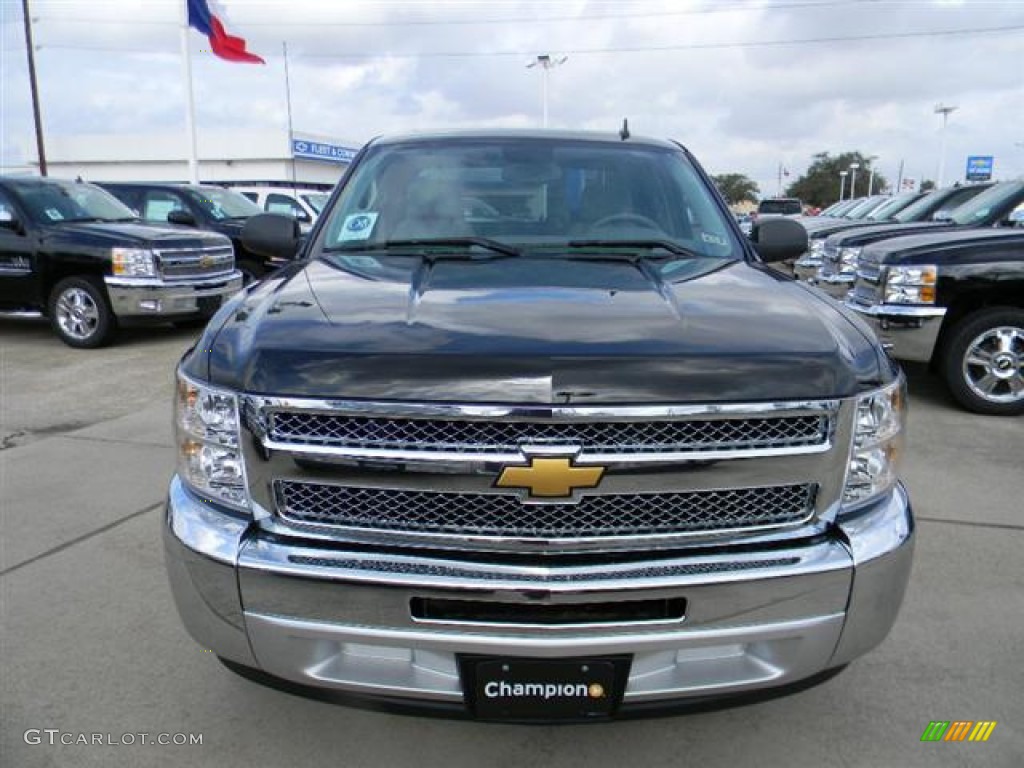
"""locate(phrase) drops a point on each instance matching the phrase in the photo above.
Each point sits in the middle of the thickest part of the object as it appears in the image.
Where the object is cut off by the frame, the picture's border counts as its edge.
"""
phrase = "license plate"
(207, 305)
(543, 689)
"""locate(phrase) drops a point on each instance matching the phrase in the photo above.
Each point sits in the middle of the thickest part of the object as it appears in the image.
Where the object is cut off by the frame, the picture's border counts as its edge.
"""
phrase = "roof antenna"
(624, 132)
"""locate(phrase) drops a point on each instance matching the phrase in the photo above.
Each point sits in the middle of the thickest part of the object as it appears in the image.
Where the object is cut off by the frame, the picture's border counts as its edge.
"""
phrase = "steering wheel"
(626, 218)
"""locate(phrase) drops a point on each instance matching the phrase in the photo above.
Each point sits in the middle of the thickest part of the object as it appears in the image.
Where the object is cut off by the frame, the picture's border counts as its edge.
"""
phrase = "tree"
(735, 188)
(819, 186)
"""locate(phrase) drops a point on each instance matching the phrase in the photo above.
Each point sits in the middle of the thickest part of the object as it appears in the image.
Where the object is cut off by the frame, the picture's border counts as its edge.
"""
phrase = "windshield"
(977, 210)
(862, 209)
(531, 194)
(780, 207)
(317, 200)
(887, 210)
(224, 203)
(57, 201)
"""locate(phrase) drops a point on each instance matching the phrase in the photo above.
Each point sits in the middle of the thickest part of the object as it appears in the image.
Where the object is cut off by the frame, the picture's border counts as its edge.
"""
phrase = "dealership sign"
(315, 150)
(979, 168)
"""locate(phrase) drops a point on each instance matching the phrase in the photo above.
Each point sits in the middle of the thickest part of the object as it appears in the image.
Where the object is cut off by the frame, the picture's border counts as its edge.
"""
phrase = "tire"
(80, 313)
(984, 361)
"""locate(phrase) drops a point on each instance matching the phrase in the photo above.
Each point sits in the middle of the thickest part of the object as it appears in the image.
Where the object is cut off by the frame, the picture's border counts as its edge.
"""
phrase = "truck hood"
(964, 246)
(539, 330)
(132, 234)
(864, 235)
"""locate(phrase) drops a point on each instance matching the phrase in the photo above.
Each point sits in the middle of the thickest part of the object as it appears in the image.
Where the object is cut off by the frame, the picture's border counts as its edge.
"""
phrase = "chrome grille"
(868, 288)
(196, 262)
(500, 515)
(610, 437)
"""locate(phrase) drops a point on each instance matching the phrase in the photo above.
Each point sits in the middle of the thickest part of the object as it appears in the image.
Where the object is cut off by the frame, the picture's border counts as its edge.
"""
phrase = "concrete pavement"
(90, 642)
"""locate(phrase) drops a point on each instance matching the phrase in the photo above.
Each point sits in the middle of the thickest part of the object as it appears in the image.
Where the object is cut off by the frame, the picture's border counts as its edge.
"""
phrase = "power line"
(481, 22)
(628, 49)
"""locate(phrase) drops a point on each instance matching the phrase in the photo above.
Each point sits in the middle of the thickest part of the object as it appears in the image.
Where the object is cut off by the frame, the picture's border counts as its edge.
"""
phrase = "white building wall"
(223, 157)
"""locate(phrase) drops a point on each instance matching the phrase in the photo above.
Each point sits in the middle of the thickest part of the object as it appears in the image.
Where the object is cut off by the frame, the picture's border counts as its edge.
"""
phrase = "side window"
(8, 213)
(1016, 217)
(156, 204)
(277, 203)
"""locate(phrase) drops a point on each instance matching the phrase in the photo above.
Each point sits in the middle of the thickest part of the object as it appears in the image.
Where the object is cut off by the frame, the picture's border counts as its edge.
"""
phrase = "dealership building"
(235, 157)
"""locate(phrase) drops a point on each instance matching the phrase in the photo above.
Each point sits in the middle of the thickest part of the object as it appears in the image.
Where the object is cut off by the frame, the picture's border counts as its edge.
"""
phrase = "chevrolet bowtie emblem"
(550, 478)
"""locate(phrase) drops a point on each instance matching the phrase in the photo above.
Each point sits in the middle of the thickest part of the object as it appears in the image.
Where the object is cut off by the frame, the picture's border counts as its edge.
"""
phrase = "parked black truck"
(535, 433)
(954, 300)
(71, 252)
(201, 206)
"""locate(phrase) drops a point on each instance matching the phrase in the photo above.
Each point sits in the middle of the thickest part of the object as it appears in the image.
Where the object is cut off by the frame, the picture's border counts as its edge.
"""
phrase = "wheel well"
(967, 305)
(56, 273)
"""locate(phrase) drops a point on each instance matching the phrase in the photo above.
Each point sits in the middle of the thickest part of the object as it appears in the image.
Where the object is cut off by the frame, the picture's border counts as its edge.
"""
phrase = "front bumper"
(807, 266)
(836, 286)
(907, 333)
(339, 619)
(138, 298)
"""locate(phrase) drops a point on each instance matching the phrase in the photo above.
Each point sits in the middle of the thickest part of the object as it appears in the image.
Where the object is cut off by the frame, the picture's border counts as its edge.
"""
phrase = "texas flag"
(227, 47)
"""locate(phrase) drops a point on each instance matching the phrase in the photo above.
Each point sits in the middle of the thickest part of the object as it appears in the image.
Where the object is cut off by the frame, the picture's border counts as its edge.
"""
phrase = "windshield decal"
(54, 215)
(358, 226)
(713, 239)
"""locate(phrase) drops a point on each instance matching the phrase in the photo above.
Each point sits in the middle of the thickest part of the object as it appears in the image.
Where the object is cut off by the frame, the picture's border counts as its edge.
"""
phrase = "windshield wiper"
(494, 246)
(645, 245)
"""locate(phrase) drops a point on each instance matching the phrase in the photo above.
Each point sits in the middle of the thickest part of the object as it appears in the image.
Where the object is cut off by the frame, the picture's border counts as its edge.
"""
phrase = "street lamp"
(546, 62)
(853, 179)
(871, 177)
(944, 110)
(842, 185)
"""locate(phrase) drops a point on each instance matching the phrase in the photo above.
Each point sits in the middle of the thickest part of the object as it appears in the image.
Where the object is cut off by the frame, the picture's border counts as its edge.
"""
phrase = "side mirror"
(942, 215)
(778, 239)
(273, 235)
(179, 216)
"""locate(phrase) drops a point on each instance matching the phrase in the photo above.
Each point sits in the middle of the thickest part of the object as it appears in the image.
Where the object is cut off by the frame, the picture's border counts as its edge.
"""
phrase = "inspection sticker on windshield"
(54, 215)
(713, 239)
(358, 226)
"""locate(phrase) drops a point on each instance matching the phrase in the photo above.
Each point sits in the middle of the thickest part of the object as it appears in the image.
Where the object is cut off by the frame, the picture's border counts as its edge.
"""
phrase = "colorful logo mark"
(958, 730)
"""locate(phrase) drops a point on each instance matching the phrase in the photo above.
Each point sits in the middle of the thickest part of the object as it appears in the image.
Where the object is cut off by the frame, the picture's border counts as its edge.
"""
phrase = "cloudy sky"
(746, 84)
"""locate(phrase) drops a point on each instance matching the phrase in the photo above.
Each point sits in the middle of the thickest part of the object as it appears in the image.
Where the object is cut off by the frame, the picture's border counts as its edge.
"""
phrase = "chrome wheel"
(77, 313)
(993, 366)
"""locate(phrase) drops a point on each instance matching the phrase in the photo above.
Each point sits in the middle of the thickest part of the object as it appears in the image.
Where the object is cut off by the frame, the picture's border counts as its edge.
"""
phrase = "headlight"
(133, 262)
(910, 285)
(817, 246)
(207, 430)
(877, 443)
(848, 259)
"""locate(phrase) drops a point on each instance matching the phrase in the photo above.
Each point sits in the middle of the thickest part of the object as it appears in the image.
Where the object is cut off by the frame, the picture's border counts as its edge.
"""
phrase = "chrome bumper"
(836, 286)
(340, 619)
(907, 333)
(806, 267)
(134, 297)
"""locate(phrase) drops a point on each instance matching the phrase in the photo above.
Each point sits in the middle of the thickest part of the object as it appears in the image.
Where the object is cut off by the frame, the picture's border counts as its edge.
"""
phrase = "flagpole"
(34, 87)
(288, 101)
(190, 102)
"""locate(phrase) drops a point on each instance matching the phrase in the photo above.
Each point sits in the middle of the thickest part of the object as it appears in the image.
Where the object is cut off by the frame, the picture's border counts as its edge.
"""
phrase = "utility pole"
(34, 86)
(546, 62)
(944, 110)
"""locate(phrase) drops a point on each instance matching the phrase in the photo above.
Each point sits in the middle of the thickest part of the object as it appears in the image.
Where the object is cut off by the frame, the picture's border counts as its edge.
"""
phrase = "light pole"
(853, 179)
(842, 185)
(546, 62)
(871, 177)
(944, 110)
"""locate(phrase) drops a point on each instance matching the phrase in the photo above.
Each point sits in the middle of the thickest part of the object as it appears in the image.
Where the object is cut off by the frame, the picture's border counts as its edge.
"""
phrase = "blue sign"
(979, 168)
(314, 150)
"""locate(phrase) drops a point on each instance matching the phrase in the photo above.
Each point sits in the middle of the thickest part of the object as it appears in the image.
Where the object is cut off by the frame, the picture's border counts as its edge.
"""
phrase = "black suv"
(201, 206)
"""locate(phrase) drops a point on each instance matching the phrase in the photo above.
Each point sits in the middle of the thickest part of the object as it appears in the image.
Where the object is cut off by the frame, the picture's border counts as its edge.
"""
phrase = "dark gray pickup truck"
(535, 433)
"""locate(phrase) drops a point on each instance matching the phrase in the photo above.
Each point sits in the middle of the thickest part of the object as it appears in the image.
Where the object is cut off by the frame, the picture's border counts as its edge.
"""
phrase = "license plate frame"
(555, 692)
